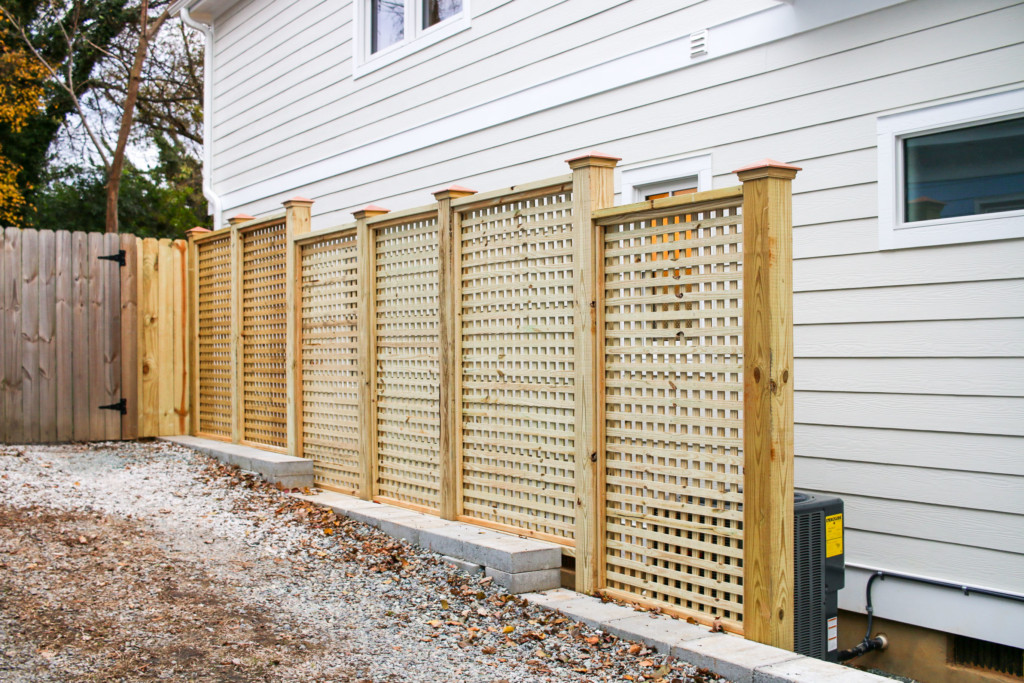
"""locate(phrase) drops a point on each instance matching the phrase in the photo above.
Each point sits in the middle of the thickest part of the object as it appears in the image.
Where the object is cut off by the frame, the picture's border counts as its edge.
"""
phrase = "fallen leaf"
(594, 640)
(634, 648)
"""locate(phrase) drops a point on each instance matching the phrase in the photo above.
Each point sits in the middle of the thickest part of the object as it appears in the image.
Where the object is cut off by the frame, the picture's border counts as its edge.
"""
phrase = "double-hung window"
(387, 30)
(952, 173)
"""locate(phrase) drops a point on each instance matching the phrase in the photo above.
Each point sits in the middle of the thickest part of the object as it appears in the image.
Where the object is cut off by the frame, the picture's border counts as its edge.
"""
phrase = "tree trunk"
(146, 33)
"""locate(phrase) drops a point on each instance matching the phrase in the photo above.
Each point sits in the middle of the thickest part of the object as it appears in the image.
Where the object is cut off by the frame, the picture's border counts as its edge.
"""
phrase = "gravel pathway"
(146, 561)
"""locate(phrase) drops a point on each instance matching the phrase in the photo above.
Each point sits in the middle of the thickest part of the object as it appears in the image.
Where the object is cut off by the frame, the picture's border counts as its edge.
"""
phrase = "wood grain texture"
(130, 335)
(215, 376)
(47, 337)
(3, 349)
(81, 274)
(768, 405)
(366, 317)
(30, 335)
(111, 337)
(166, 333)
(149, 336)
(97, 374)
(297, 223)
(180, 408)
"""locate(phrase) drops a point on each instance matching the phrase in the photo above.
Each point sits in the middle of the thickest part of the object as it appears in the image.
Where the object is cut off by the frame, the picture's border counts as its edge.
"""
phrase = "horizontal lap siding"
(908, 363)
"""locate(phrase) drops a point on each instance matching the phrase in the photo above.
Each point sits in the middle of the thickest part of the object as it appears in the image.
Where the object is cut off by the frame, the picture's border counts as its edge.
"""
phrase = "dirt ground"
(145, 562)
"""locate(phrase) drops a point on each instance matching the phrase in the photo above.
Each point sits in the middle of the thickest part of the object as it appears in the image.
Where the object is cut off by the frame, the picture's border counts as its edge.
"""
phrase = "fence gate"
(61, 375)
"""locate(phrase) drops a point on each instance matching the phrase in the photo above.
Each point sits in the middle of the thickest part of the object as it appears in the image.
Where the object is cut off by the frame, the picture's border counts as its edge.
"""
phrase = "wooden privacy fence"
(93, 341)
(613, 379)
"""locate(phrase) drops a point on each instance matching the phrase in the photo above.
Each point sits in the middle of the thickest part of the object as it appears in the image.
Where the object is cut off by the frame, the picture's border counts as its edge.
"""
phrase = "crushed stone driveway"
(144, 561)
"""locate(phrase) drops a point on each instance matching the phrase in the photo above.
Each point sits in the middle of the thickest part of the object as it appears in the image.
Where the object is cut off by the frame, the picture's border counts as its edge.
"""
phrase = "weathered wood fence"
(91, 320)
(613, 379)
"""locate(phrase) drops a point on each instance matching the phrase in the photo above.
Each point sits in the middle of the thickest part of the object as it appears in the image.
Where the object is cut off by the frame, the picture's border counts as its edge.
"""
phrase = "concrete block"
(284, 470)
(731, 657)
(409, 527)
(592, 611)
(503, 552)
(462, 565)
(809, 670)
(526, 582)
(659, 632)
(552, 599)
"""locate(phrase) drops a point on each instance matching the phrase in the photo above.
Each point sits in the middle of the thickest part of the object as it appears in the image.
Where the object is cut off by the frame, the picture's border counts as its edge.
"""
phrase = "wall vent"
(985, 655)
(699, 43)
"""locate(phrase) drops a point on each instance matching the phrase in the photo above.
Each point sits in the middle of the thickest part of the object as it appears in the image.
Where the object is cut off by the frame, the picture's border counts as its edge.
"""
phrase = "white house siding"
(910, 363)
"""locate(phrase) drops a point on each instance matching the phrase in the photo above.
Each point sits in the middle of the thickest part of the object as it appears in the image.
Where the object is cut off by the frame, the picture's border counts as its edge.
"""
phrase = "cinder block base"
(286, 471)
(731, 657)
(661, 633)
(526, 582)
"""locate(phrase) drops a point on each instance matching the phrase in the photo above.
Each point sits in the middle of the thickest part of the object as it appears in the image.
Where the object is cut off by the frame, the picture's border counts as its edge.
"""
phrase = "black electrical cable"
(879, 642)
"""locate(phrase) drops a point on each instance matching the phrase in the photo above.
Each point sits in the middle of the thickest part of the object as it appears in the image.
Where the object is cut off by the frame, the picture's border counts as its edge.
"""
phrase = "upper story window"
(387, 30)
(952, 173)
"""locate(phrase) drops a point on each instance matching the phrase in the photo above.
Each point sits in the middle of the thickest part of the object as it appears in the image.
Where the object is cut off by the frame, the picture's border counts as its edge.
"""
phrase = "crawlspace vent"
(993, 656)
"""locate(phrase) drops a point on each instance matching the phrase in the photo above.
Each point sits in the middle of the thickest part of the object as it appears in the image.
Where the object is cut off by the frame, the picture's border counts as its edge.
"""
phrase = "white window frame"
(893, 231)
(639, 182)
(364, 62)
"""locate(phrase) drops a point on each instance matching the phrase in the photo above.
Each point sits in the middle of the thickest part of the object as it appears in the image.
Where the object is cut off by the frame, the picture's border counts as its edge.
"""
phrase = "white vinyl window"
(952, 173)
(387, 30)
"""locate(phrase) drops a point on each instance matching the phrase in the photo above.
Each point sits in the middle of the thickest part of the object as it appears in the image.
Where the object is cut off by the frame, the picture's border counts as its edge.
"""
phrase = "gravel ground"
(146, 561)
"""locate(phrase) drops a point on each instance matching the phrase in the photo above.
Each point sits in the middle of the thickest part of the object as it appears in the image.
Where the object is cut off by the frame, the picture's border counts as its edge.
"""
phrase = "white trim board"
(740, 34)
(988, 618)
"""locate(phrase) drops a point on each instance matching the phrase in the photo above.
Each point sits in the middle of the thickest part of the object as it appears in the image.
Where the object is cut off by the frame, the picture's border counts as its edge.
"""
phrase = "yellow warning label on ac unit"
(834, 535)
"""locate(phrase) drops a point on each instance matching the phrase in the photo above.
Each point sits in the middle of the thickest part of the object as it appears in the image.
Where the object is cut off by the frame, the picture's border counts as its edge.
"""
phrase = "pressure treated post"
(366, 272)
(449, 273)
(593, 187)
(192, 311)
(236, 326)
(296, 223)
(768, 402)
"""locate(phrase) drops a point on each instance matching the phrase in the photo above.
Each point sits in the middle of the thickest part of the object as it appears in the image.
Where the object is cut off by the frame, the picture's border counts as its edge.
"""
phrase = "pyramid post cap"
(368, 211)
(767, 168)
(453, 192)
(240, 218)
(593, 158)
(297, 201)
(198, 230)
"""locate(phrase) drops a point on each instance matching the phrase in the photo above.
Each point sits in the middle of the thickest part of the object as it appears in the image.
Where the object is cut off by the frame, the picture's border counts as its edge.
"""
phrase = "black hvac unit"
(819, 573)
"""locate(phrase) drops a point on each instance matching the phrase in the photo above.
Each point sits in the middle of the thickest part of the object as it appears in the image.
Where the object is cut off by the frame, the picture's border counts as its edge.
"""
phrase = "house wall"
(910, 362)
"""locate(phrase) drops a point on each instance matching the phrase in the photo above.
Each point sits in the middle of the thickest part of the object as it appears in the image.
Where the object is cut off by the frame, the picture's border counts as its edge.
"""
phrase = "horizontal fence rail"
(616, 380)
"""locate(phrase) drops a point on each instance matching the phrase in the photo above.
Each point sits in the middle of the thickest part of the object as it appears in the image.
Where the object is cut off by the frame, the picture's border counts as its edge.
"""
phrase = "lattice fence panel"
(673, 401)
(408, 367)
(330, 361)
(517, 365)
(264, 387)
(214, 375)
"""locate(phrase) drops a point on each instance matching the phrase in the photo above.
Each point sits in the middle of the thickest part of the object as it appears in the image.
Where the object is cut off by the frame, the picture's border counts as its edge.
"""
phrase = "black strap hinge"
(117, 258)
(121, 406)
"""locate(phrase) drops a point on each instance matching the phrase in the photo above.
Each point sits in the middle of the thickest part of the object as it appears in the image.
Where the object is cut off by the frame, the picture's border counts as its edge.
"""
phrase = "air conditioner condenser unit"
(819, 573)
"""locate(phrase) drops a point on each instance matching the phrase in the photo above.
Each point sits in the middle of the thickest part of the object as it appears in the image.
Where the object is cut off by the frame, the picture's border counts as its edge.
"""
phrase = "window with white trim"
(387, 30)
(666, 178)
(952, 173)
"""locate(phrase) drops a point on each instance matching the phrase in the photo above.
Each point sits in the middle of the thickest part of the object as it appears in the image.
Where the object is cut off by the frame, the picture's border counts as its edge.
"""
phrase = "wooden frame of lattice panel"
(673, 393)
(263, 327)
(214, 374)
(406, 457)
(515, 449)
(328, 328)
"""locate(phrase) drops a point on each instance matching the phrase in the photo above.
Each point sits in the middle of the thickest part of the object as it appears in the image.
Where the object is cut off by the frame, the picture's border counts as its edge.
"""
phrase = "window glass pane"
(387, 19)
(964, 172)
(436, 11)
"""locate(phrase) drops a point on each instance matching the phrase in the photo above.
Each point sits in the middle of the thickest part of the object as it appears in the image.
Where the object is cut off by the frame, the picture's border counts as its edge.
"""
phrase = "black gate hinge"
(118, 258)
(121, 406)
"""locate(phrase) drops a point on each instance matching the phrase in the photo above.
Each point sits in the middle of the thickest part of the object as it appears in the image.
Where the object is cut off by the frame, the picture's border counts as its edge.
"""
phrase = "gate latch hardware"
(117, 258)
(121, 406)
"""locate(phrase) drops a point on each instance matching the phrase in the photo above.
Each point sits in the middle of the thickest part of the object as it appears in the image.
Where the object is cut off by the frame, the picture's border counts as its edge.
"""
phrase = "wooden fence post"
(298, 214)
(366, 244)
(593, 187)
(192, 308)
(236, 325)
(449, 296)
(768, 402)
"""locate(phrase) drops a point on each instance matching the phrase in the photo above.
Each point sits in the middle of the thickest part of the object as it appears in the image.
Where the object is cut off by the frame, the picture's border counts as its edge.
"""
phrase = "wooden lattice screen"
(673, 409)
(517, 390)
(408, 371)
(214, 337)
(330, 360)
(264, 327)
